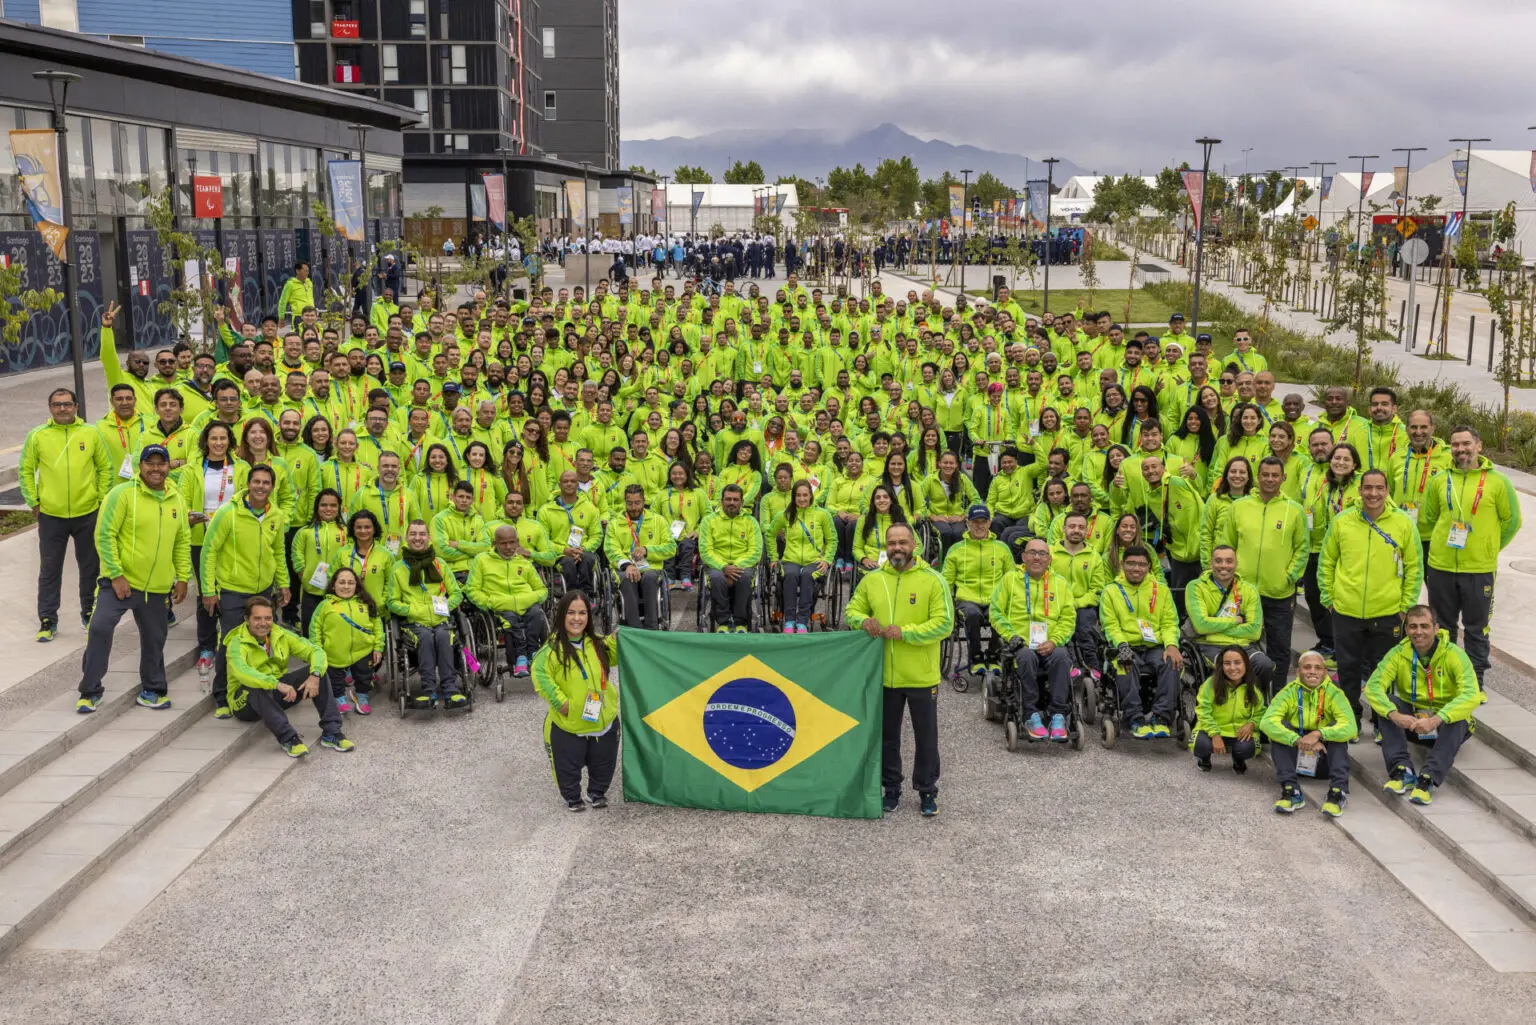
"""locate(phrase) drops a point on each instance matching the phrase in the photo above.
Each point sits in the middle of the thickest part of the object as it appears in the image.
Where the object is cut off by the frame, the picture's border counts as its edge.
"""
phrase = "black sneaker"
(889, 802)
(929, 803)
(1241, 768)
(597, 800)
(1203, 764)
(575, 806)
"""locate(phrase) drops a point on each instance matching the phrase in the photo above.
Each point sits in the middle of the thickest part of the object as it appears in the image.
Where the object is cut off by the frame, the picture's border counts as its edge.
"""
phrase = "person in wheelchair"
(347, 626)
(731, 546)
(532, 538)
(1074, 559)
(1137, 614)
(1228, 707)
(423, 594)
(575, 530)
(1311, 724)
(1034, 616)
(504, 582)
(974, 568)
(637, 547)
(1224, 610)
(810, 541)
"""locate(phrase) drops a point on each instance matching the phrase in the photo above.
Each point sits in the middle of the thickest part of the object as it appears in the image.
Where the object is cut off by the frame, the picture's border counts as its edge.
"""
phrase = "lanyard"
(567, 510)
(226, 472)
(581, 665)
(682, 503)
(1423, 477)
(1045, 589)
(317, 540)
(353, 623)
(1151, 607)
(431, 505)
(1429, 682)
(1379, 532)
(443, 583)
(366, 556)
(634, 531)
(1301, 709)
(1476, 499)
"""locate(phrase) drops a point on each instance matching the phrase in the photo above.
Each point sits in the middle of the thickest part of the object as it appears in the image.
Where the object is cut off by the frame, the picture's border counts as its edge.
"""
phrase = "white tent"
(1343, 200)
(730, 206)
(1495, 178)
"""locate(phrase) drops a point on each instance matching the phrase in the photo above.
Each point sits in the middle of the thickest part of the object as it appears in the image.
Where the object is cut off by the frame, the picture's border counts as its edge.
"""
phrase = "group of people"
(1053, 482)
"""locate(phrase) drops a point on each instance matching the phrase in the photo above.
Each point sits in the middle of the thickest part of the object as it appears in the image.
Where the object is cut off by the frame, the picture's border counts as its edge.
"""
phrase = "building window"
(460, 74)
(419, 19)
(127, 40)
(419, 101)
(445, 112)
(461, 143)
(549, 43)
(391, 58)
(60, 14)
(549, 106)
(317, 19)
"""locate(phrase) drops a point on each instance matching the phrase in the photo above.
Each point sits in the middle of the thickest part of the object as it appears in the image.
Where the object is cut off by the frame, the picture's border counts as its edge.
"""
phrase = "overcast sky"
(1114, 85)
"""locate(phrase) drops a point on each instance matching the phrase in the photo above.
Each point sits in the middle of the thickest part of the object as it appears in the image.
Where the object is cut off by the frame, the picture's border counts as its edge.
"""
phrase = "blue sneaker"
(149, 699)
(87, 704)
(1159, 730)
(1059, 728)
(1291, 799)
(520, 667)
(929, 803)
(1034, 726)
(1141, 729)
(1403, 780)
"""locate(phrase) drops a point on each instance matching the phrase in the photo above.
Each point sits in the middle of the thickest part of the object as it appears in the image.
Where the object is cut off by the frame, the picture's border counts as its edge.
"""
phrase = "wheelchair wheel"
(1108, 732)
(949, 658)
(1075, 735)
(1011, 735)
(1184, 718)
(991, 705)
(1084, 702)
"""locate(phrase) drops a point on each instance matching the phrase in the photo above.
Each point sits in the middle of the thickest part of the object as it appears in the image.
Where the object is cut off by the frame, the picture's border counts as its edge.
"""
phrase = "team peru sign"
(207, 196)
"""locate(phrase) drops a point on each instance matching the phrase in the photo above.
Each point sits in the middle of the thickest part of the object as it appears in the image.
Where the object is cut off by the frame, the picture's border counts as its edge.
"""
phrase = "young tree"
(191, 305)
(1087, 267)
(1507, 294)
(18, 302)
(686, 175)
(750, 173)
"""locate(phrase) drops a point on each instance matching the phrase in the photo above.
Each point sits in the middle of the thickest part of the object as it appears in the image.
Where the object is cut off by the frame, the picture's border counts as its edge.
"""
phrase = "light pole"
(1360, 261)
(58, 98)
(1466, 191)
(362, 176)
(1322, 169)
(1050, 172)
(1205, 142)
(666, 211)
(1409, 151)
(586, 230)
(965, 220)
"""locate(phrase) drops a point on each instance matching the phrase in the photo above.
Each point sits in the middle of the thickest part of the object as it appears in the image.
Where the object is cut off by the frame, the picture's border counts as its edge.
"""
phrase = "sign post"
(1413, 252)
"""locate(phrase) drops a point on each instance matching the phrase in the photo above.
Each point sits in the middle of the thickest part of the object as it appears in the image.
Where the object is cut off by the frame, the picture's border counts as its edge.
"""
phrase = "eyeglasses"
(61, 405)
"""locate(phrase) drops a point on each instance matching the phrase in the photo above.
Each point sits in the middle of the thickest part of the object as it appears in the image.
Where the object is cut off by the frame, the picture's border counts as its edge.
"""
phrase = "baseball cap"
(396, 365)
(154, 452)
(978, 512)
(1202, 337)
(1177, 316)
(452, 386)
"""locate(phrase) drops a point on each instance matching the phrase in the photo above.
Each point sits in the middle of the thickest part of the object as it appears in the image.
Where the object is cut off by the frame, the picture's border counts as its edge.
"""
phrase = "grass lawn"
(1145, 309)
(11, 522)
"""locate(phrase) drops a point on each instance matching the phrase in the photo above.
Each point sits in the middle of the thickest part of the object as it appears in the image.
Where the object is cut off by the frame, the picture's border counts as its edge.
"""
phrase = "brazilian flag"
(751, 723)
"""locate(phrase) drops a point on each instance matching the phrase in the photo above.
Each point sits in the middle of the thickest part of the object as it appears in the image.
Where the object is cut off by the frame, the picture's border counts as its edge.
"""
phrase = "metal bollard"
(1413, 339)
(1402, 320)
(1471, 329)
(1492, 326)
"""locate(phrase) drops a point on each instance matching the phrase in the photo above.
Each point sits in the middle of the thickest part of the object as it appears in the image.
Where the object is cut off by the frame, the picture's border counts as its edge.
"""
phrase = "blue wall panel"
(275, 59)
(26, 10)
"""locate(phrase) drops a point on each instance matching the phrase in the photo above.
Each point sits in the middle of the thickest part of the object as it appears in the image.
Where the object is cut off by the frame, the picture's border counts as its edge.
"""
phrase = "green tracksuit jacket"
(66, 471)
(1452, 497)
(142, 535)
(1323, 708)
(917, 600)
(241, 552)
(1223, 616)
(1447, 685)
(1271, 541)
(1366, 569)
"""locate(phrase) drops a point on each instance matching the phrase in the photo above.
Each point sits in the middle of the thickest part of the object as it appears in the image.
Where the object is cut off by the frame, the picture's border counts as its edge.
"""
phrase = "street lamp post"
(1322, 169)
(362, 177)
(58, 97)
(666, 210)
(965, 220)
(586, 230)
(1205, 142)
(1466, 191)
(1050, 172)
(1408, 152)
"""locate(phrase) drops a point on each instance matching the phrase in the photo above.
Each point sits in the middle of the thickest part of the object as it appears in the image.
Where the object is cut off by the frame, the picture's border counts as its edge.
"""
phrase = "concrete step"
(106, 906)
(1501, 859)
(80, 771)
(1498, 784)
(48, 874)
(1503, 939)
(1509, 729)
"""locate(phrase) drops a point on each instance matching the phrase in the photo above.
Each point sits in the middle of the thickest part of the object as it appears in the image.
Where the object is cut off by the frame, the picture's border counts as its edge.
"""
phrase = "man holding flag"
(906, 602)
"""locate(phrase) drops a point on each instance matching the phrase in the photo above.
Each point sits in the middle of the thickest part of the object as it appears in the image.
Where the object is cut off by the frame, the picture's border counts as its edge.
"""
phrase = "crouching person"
(1426, 687)
(1311, 724)
(261, 686)
(347, 627)
(1227, 710)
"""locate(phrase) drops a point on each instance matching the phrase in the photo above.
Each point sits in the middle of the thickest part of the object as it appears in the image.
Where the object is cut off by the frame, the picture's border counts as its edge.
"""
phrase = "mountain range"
(808, 153)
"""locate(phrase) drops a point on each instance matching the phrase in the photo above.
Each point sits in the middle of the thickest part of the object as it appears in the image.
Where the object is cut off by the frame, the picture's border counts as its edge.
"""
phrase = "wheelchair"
(1013, 714)
(760, 608)
(615, 600)
(826, 613)
(484, 632)
(1108, 702)
(954, 664)
(400, 661)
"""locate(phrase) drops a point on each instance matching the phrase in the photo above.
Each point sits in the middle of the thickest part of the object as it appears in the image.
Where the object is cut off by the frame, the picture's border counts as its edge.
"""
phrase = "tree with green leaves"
(686, 175)
(19, 303)
(191, 304)
(642, 169)
(898, 180)
(1508, 294)
(750, 173)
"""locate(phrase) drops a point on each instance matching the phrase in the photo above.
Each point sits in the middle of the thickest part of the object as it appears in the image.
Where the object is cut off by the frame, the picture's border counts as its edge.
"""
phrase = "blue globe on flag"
(749, 723)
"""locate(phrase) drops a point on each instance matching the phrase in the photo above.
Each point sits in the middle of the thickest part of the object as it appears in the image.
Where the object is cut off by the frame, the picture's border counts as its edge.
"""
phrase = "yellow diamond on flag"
(749, 723)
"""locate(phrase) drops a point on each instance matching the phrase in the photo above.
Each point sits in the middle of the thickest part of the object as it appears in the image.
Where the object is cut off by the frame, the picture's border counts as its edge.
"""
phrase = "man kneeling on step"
(1425, 687)
(261, 686)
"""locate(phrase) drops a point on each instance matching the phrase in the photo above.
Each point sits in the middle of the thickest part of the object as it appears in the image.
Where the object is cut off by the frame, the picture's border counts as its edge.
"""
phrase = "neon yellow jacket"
(1271, 541)
(142, 535)
(458, 537)
(653, 533)
(1411, 473)
(1124, 607)
(1323, 708)
(1214, 611)
(65, 471)
(346, 631)
(730, 541)
(974, 569)
(559, 519)
(1448, 685)
(1363, 574)
(241, 552)
(312, 545)
(918, 601)
(414, 604)
(257, 666)
(560, 684)
(1011, 495)
(1020, 600)
(810, 539)
(1495, 519)
(504, 585)
(1225, 719)
(1085, 569)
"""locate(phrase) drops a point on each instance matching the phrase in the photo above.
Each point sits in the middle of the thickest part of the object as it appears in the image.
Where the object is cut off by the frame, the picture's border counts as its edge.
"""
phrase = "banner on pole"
(347, 198)
(1326, 186)
(477, 202)
(1365, 182)
(1194, 187)
(956, 201)
(1533, 170)
(658, 203)
(698, 199)
(778, 203)
(1452, 225)
(37, 165)
(626, 204)
(576, 200)
(1400, 180)
(1038, 193)
(1258, 192)
(1459, 169)
(496, 200)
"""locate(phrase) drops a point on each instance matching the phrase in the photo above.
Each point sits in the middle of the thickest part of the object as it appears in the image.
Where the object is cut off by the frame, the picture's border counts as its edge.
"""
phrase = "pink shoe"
(789, 628)
(1035, 727)
(363, 707)
(800, 628)
(1059, 733)
(687, 585)
(343, 705)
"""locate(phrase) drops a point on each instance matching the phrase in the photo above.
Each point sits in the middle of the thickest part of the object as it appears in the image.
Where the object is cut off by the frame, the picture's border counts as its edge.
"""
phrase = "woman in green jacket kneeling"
(1227, 711)
(581, 729)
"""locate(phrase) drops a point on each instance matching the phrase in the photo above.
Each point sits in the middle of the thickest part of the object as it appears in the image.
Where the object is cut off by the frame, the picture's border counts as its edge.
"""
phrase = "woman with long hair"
(894, 476)
(1209, 399)
(434, 485)
(869, 533)
(947, 496)
(847, 495)
(1228, 708)
(480, 471)
(345, 623)
(257, 443)
(809, 540)
(1127, 534)
(1054, 502)
(1245, 437)
(316, 551)
(206, 484)
(1195, 443)
(343, 471)
(924, 462)
(1143, 410)
(744, 468)
(581, 729)
(1236, 482)
(684, 506)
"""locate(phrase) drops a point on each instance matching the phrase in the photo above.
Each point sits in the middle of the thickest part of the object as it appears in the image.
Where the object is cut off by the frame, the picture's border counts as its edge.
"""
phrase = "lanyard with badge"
(1148, 631)
(592, 708)
(1456, 537)
(126, 470)
(1412, 508)
(1429, 695)
(635, 527)
(354, 624)
(1397, 553)
(576, 534)
(681, 510)
(439, 601)
(322, 574)
(1038, 631)
(1306, 761)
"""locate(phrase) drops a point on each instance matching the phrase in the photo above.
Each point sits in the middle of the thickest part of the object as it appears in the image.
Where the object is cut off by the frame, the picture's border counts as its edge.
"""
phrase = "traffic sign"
(1406, 227)
(1414, 252)
(1309, 223)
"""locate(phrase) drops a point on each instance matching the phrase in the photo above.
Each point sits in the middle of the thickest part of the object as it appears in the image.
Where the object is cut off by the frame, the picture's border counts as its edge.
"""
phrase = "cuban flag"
(1453, 226)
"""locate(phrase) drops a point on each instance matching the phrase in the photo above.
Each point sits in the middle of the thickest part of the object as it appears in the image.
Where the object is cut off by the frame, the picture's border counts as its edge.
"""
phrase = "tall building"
(579, 43)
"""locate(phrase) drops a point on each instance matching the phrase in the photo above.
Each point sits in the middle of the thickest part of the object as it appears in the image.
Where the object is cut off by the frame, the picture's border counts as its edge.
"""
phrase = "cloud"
(1115, 85)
